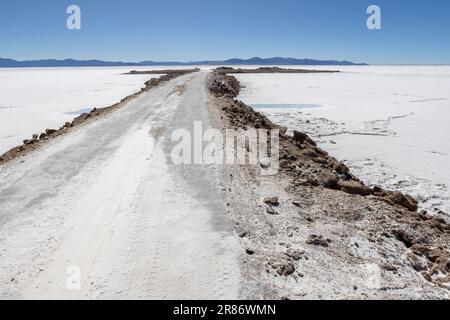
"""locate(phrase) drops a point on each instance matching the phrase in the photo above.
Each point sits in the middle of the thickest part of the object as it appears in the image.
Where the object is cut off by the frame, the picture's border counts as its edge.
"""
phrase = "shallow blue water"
(285, 106)
(78, 112)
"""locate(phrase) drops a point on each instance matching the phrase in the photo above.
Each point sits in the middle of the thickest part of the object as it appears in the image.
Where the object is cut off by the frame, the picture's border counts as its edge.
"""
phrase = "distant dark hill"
(10, 63)
(286, 61)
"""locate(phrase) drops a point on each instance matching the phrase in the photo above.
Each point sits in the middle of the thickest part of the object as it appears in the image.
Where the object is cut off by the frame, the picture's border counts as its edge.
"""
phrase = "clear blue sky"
(414, 31)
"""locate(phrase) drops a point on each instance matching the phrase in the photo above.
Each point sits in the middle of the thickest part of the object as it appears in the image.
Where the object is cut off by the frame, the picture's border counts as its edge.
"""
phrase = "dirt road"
(102, 213)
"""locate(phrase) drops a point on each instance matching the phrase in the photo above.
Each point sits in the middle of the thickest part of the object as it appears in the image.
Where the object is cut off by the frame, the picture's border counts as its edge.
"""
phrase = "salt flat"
(389, 123)
(34, 99)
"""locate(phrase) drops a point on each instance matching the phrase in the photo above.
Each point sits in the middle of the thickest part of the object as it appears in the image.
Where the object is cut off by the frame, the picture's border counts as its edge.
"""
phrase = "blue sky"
(414, 32)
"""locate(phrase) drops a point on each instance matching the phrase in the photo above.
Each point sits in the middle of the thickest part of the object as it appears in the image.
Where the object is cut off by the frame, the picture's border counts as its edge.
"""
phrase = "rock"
(242, 234)
(389, 267)
(427, 276)
(329, 180)
(273, 201)
(35, 136)
(295, 254)
(341, 168)
(405, 201)
(379, 192)
(353, 187)
(302, 137)
(270, 210)
(404, 237)
(250, 252)
(265, 163)
(418, 263)
(43, 135)
(282, 130)
(297, 204)
(318, 241)
(50, 131)
(286, 269)
(29, 141)
(283, 266)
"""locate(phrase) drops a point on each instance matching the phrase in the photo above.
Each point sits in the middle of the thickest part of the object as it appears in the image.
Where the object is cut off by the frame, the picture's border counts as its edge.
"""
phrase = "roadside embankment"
(229, 70)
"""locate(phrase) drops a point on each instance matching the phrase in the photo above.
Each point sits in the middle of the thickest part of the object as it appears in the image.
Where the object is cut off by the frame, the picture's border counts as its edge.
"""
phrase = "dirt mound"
(223, 85)
(229, 70)
(299, 155)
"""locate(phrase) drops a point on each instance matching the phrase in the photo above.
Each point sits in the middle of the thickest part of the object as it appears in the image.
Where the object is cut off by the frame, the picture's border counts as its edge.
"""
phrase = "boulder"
(354, 187)
(405, 201)
(341, 168)
(302, 137)
(29, 141)
(329, 180)
(273, 201)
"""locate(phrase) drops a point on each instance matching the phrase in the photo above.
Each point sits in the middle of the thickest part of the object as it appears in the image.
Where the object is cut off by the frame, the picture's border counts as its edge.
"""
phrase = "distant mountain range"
(10, 63)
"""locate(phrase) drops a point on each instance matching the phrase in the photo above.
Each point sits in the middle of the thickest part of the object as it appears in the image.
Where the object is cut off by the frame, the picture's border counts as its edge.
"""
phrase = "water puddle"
(78, 112)
(285, 106)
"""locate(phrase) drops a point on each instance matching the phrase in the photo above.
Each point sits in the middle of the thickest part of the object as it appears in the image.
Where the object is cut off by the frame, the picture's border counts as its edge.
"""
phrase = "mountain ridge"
(11, 63)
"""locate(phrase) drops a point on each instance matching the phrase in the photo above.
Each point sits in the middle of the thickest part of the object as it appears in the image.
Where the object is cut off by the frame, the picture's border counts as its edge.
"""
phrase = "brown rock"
(283, 266)
(271, 211)
(353, 187)
(273, 201)
(297, 204)
(341, 168)
(318, 240)
(29, 141)
(302, 137)
(379, 192)
(329, 180)
(403, 200)
(286, 269)
(282, 130)
(295, 254)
